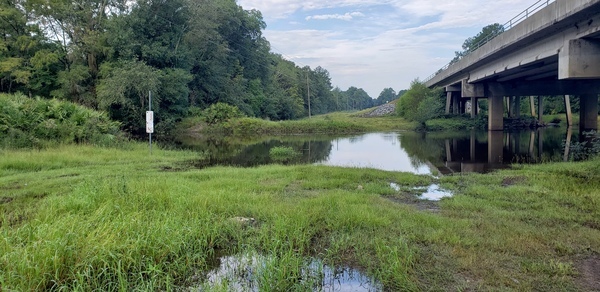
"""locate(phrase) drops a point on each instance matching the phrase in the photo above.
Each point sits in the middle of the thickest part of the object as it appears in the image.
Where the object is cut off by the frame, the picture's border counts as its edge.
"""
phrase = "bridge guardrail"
(535, 7)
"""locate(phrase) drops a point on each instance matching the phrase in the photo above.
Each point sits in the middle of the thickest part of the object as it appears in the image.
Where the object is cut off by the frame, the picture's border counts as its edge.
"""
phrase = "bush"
(27, 122)
(220, 112)
(420, 103)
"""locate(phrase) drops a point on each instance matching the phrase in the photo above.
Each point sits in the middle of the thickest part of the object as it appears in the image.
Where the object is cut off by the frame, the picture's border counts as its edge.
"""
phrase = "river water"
(419, 153)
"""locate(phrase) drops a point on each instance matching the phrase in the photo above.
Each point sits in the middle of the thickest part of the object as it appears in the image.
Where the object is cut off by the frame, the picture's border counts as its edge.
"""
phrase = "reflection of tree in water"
(356, 139)
(221, 152)
(421, 148)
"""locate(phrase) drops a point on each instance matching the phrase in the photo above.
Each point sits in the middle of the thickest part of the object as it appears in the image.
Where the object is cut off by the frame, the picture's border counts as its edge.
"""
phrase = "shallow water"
(244, 273)
(431, 193)
(420, 153)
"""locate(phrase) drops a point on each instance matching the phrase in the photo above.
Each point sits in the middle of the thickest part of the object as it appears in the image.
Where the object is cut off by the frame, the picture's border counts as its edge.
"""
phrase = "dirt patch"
(412, 200)
(68, 175)
(592, 224)
(5, 200)
(13, 186)
(513, 180)
(590, 273)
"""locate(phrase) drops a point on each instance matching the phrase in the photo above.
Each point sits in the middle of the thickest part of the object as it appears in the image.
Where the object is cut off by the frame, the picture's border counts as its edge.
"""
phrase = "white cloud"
(347, 16)
(388, 44)
(276, 9)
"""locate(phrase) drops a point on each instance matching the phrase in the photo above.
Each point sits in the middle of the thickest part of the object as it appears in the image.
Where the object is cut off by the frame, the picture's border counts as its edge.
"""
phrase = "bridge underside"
(554, 52)
(574, 71)
(497, 94)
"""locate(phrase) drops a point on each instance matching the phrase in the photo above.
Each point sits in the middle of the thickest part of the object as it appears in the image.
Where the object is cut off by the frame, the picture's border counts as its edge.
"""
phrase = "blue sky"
(374, 44)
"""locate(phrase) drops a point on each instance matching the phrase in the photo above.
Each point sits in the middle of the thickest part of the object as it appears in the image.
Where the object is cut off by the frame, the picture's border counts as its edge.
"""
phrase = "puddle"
(250, 272)
(432, 193)
(435, 193)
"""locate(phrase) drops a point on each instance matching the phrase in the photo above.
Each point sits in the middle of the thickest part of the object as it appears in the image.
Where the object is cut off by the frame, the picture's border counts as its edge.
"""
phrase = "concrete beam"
(454, 88)
(579, 59)
(541, 87)
(472, 90)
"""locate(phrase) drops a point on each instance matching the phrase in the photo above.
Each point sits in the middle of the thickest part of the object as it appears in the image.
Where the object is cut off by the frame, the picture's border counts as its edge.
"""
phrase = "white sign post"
(150, 120)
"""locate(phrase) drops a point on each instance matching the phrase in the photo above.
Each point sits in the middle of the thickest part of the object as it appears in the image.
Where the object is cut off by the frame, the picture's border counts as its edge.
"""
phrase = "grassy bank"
(84, 218)
(333, 123)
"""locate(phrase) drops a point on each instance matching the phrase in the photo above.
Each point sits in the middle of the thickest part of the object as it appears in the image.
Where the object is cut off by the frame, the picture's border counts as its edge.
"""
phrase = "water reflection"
(420, 153)
(252, 272)
(374, 150)
(483, 152)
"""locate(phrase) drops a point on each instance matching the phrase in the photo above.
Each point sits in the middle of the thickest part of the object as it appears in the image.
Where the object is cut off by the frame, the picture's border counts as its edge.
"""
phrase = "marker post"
(150, 121)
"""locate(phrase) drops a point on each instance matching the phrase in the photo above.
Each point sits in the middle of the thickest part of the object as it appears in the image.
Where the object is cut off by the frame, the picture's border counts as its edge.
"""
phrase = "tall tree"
(80, 26)
(485, 35)
(28, 60)
(387, 95)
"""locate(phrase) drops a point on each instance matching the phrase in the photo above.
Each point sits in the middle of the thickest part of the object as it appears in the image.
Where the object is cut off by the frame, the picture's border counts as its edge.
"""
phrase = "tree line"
(109, 54)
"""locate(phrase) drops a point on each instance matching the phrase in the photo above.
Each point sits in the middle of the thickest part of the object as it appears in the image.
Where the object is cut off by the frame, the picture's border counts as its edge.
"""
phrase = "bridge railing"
(535, 7)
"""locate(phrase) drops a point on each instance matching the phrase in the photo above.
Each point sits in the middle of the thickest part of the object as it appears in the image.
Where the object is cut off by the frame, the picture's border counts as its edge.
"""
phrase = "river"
(419, 153)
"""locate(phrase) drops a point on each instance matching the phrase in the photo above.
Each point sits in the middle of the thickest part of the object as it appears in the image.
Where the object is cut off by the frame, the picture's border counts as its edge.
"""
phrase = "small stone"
(360, 187)
(243, 220)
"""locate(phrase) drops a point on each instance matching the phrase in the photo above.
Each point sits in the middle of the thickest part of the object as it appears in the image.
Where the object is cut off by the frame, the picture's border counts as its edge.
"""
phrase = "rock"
(360, 188)
(382, 110)
(243, 221)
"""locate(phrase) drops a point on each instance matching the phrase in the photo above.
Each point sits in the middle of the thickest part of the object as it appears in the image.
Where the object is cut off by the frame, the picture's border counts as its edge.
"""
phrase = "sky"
(377, 44)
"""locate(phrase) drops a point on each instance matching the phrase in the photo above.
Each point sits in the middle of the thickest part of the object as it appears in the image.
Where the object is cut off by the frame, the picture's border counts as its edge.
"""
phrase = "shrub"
(220, 112)
(420, 103)
(28, 122)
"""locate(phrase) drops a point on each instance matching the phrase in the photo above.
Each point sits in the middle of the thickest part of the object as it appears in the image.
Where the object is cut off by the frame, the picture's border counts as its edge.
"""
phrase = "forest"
(108, 55)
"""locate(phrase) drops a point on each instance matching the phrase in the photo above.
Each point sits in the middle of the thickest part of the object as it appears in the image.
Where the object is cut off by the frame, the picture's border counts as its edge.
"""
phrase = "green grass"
(89, 218)
(333, 123)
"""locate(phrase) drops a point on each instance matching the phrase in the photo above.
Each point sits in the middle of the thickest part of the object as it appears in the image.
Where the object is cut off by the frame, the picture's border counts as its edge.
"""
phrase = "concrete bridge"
(554, 51)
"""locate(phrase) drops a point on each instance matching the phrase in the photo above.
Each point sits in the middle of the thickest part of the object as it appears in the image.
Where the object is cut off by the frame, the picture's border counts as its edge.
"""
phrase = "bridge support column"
(588, 112)
(517, 107)
(540, 108)
(568, 110)
(474, 107)
(532, 106)
(456, 105)
(448, 101)
(496, 113)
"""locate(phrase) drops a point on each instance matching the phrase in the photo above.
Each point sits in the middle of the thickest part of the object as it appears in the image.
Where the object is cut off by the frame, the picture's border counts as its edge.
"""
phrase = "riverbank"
(84, 217)
(333, 123)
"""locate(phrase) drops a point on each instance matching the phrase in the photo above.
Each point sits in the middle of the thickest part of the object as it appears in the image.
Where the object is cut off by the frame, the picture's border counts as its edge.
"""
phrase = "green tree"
(485, 35)
(387, 95)
(81, 27)
(420, 103)
(28, 61)
(124, 89)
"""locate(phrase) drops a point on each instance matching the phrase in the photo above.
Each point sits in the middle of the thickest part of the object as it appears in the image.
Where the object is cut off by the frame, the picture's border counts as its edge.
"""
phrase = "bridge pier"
(588, 112)
(496, 113)
(568, 110)
(540, 108)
